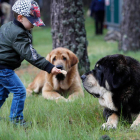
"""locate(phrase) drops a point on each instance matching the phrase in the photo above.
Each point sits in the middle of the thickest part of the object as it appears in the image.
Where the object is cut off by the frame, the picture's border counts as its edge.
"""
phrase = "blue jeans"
(10, 82)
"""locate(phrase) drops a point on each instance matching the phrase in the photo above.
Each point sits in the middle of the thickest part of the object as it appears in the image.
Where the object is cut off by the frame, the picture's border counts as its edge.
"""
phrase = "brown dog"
(59, 86)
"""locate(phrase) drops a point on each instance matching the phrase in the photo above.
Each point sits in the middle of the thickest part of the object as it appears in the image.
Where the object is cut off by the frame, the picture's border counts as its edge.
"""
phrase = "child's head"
(28, 13)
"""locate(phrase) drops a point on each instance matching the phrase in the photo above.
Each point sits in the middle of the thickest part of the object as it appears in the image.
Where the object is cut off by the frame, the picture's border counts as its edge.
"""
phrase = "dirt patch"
(30, 69)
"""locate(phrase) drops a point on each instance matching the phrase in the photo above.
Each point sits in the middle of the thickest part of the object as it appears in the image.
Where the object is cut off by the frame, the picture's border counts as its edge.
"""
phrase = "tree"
(68, 29)
(130, 26)
(46, 12)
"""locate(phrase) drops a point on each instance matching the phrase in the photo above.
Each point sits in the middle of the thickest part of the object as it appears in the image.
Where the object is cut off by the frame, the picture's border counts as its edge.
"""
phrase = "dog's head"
(91, 84)
(110, 72)
(63, 59)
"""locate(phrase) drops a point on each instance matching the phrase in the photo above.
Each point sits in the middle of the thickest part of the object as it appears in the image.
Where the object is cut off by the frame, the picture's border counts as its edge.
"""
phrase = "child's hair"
(15, 15)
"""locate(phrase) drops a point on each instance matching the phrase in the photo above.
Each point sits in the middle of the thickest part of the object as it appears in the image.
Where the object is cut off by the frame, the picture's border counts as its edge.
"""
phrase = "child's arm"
(22, 45)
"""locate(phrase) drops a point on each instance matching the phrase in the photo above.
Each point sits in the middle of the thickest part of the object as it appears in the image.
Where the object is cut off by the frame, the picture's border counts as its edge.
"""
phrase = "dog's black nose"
(59, 67)
(83, 77)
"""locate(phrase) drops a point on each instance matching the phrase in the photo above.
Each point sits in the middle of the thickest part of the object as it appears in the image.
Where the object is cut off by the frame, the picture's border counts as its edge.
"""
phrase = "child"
(15, 46)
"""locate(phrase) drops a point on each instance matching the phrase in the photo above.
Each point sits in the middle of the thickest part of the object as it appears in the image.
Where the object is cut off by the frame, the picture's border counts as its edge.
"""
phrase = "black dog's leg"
(107, 112)
(111, 119)
(126, 115)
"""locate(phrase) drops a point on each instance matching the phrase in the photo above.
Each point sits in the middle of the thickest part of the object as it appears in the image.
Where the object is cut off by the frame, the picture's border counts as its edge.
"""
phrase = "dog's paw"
(61, 99)
(107, 126)
(135, 125)
(29, 92)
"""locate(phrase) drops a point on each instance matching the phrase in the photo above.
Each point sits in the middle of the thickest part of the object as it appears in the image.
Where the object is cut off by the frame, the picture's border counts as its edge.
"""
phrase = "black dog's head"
(110, 72)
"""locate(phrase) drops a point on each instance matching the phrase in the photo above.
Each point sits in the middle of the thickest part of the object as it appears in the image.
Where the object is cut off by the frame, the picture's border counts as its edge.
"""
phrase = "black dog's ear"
(121, 76)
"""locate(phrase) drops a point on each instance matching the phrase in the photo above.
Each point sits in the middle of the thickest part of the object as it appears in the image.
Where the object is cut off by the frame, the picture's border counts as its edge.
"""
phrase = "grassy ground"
(78, 120)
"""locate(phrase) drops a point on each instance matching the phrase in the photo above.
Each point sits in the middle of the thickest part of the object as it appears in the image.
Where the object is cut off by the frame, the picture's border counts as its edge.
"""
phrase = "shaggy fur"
(115, 81)
(56, 87)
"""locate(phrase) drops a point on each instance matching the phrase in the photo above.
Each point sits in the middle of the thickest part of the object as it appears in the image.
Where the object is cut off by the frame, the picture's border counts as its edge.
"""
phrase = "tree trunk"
(46, 12)
(68, 29)
(130, 26)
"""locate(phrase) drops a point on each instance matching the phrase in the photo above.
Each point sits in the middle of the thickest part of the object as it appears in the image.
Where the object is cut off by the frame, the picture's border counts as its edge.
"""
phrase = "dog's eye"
(64, 58)
(97, 65)
(54, 58)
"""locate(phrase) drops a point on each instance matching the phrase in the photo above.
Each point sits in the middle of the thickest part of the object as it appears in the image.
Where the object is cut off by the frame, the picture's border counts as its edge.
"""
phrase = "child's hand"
(55, 71)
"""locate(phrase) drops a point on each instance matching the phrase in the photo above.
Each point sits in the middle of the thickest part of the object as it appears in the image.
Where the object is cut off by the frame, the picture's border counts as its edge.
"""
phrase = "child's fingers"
(58, 70)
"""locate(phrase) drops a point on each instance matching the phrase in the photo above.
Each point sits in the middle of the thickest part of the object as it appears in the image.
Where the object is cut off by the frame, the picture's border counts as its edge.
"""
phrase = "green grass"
(78, 120)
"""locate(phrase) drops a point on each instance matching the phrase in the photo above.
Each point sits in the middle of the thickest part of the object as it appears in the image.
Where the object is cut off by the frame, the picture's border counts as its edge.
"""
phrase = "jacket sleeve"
(22, 45)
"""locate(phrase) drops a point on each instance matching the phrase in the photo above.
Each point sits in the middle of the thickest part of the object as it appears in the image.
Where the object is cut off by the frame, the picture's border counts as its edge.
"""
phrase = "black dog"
(115, 81)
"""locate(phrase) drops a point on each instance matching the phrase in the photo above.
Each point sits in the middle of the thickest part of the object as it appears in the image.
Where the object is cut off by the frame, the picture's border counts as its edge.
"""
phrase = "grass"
(78, 120)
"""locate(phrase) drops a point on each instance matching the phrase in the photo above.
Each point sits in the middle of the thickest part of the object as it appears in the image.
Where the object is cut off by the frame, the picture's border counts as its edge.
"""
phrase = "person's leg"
(3, 95)
(96, 27)
(3, 91)
(101, 27)
(14, 85)
(96, 23)
(101, 21)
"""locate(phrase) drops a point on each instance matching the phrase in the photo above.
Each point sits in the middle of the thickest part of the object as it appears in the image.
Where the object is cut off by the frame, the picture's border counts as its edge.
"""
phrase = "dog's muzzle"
(83, 77)
(60, 76)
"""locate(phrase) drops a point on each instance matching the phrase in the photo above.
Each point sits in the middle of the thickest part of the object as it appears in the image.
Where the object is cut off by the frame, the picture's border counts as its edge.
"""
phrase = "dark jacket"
(97, 5)
(15, 46)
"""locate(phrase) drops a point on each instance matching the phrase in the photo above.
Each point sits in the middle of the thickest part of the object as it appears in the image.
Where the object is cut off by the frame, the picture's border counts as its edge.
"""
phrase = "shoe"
(21, 123)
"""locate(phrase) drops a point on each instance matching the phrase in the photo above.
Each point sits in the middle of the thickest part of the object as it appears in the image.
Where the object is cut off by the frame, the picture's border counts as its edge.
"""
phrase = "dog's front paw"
(29, 92)
(135, 125)
(61, 99)
(107, 126)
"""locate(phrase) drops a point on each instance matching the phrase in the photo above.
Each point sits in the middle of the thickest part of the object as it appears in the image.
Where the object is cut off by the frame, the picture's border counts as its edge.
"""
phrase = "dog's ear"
(48, 57)
(121, 76)
(73, 58)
